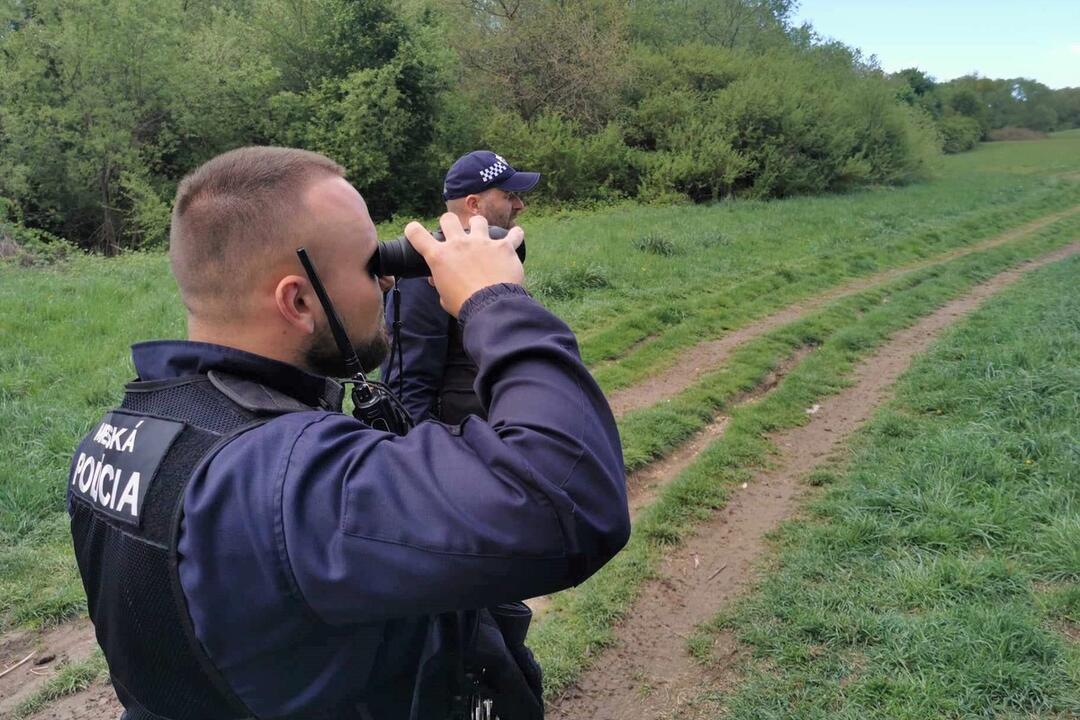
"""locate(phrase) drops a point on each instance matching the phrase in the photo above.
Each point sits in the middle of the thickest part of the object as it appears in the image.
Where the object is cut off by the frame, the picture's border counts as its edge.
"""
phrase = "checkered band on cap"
(494, 170)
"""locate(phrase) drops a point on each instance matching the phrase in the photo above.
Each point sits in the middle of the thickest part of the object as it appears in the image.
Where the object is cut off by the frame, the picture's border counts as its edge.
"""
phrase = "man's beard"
(323, 356)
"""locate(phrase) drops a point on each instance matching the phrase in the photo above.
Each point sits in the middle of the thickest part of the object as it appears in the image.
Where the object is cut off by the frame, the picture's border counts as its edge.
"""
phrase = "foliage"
(105, 106)
(575, 165)
(989, 104)
(104, 109)
(538, 55)
(959, 133)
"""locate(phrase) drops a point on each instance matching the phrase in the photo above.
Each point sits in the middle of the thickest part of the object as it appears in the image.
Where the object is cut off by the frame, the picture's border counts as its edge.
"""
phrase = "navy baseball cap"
(483, 169)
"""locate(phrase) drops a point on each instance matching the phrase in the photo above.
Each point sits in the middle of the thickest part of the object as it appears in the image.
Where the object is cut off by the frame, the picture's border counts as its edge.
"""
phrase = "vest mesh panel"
(128, 575)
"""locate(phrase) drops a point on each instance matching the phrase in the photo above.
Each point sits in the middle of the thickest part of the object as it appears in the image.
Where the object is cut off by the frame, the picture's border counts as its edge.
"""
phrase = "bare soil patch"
(97, 702)
(705, 357)
(648, 672)
(47, 650)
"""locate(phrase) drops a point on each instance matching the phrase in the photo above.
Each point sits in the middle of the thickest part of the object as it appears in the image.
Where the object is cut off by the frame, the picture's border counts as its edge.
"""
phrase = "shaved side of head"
(236, 218)
(458, 206)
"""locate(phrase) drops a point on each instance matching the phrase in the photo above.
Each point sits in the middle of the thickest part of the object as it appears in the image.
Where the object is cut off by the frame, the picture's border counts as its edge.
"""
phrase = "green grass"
(70, 678)
(581, 620)
(939, 576)
(673, 274)
(651, 433)
(641, 283)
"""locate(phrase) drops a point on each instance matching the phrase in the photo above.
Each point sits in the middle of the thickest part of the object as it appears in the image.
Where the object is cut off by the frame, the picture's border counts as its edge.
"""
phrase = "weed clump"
(569, 283)
(657, 245)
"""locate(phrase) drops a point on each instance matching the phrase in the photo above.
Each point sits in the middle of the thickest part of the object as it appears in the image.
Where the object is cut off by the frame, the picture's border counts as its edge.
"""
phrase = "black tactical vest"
(457, 398)
(126, 490)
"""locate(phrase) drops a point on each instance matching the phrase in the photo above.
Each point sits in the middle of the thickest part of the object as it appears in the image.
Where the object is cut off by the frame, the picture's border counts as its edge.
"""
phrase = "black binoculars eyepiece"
(398, 258)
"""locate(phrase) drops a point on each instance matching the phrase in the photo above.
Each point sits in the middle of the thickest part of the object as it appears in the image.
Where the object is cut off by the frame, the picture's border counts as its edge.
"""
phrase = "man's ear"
(472, 204)
(295, 299)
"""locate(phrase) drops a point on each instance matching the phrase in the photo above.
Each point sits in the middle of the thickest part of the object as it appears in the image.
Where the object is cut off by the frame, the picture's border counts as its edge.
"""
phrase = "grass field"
(841, 334)
(640, 284)
(939, 576)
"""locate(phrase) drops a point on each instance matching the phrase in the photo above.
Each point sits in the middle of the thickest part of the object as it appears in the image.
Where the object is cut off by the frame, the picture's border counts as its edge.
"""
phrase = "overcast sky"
(1037, 39)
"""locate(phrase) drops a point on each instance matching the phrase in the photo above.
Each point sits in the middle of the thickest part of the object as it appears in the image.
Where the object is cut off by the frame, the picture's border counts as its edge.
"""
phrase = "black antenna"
(352, 362)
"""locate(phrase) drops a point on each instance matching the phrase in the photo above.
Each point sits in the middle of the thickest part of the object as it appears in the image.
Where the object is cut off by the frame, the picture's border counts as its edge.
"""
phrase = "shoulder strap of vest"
(253, 396)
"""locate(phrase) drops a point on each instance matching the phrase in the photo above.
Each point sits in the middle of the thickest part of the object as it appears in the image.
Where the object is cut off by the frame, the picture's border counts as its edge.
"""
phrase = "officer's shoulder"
(285, 440)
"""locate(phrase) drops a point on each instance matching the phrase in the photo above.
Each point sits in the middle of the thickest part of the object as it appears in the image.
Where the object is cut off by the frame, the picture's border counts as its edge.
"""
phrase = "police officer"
(249, 551)
(433, 374)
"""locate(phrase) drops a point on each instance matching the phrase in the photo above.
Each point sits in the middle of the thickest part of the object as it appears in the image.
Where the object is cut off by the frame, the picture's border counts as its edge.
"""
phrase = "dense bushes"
(105, 105)
(707, 122)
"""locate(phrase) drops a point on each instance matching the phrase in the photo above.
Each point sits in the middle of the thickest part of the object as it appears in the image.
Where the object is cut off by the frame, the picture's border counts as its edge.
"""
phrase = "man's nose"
(518, 204)
(386, 283)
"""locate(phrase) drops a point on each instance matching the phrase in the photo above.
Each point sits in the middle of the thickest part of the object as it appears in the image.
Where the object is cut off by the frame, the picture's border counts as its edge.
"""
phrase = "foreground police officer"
(250, 551)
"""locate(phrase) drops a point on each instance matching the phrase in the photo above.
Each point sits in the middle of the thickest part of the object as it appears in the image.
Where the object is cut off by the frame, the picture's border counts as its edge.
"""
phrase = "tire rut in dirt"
(705, 357)
(647, 672)
(644, 484)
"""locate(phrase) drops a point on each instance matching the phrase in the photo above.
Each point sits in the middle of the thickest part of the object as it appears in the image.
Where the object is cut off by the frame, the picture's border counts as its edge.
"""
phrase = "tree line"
(969, 109)
(106, 104)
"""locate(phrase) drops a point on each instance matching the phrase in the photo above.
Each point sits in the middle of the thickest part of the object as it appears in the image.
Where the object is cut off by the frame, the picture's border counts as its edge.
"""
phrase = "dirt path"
(648, 672)
(707, 356)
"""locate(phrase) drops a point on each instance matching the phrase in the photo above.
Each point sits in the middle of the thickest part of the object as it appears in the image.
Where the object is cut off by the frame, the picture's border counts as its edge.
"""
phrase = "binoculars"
(398, 258)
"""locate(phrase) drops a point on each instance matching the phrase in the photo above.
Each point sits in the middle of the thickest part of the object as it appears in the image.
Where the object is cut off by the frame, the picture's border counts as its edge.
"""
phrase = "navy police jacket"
(433, 369)
(377, 533)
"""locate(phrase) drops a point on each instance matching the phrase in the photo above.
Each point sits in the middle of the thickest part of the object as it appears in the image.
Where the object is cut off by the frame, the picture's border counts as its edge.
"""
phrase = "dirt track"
(683, 596)
(648, 672)
(704, 357)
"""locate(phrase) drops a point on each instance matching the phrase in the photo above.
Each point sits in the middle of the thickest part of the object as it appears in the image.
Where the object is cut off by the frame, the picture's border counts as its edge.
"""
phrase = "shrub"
(30, 247)
(958, 133)
(575, 165)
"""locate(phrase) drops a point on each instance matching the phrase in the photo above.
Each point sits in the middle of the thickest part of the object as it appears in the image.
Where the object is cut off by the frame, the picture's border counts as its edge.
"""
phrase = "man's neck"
(244, 338)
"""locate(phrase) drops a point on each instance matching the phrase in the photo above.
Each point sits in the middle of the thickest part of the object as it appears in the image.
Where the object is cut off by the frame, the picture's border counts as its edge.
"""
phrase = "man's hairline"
(293, 222)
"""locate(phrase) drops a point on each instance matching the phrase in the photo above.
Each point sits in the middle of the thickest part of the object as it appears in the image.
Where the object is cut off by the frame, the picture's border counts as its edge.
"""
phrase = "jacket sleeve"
(375, 526)
(424, 332)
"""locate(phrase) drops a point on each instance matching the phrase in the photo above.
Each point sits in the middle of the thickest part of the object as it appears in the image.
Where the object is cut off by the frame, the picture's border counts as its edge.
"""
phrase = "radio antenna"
(352, 362)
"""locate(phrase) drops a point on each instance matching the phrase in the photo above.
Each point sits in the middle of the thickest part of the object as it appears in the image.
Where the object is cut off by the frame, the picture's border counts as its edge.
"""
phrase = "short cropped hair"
(232, 219)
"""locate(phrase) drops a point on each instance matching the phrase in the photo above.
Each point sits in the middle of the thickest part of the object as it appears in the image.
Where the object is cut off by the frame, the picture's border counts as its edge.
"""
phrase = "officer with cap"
(248, 550)
(433, 374)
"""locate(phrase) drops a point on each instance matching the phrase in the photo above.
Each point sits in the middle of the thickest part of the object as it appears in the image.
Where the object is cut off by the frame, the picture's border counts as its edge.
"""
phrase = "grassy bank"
(582, 620)
(940, 575)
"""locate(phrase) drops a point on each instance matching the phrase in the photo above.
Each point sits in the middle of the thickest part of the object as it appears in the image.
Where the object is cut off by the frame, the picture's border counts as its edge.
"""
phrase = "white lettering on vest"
(130, 495)
(98, 491)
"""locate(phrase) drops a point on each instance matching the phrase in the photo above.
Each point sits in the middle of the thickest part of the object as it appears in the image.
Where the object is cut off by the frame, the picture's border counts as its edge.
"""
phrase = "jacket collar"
(170, 359)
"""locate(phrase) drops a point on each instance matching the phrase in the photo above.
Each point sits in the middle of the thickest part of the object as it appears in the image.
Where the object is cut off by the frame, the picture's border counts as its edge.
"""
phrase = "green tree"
(544, 56)
(104, 106)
